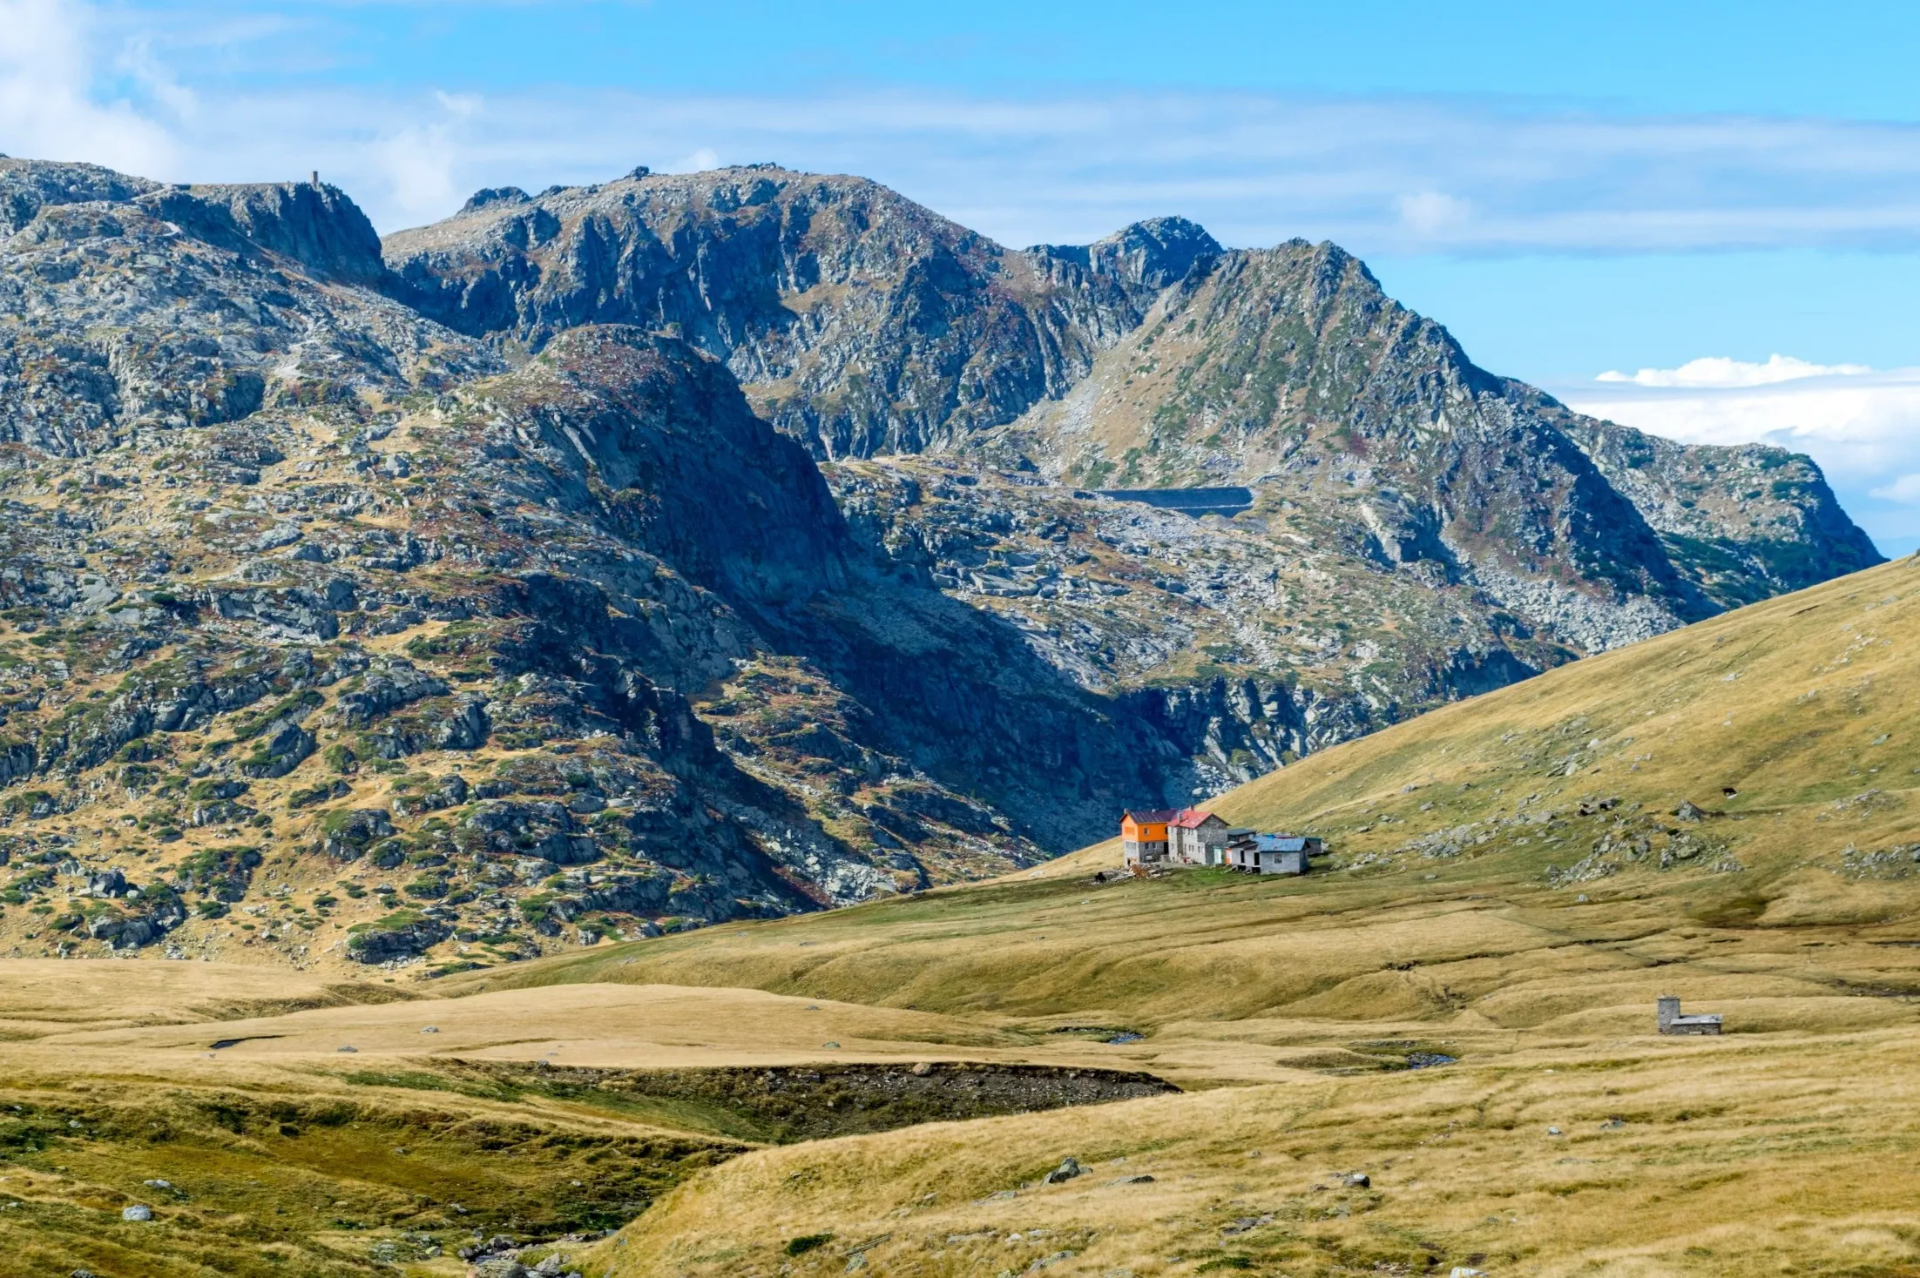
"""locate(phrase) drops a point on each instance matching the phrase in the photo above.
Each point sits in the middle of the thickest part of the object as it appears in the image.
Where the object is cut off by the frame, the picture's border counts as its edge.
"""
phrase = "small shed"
(1667, 1016)
(1274, 853)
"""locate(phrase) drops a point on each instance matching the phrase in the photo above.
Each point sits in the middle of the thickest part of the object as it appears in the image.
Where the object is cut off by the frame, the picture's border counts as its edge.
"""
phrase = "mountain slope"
(536, 653)
(532, 607)
(1420, 530)
(858, 321)
(1753, 772)
(1459, 1006)
(1289, 368)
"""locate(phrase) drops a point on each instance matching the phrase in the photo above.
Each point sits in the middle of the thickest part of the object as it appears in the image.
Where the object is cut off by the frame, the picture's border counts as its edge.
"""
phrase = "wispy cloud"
(1381, 174)
(1722, 373)
(51, 65)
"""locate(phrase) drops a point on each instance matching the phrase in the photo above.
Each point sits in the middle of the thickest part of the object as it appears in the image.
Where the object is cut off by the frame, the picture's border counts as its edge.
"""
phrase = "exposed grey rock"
(1068, 1169)
(346, 835)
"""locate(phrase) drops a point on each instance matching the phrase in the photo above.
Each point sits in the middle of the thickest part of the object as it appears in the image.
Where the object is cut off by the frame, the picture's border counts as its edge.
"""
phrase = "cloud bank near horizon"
(1381, 175)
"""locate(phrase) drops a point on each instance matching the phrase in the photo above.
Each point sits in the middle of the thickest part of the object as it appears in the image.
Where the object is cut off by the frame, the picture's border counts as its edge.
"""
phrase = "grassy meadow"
(1724, 813)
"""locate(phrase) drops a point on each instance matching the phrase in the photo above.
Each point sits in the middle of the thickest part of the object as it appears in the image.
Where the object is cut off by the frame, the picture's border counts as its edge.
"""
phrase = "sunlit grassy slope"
(1710, 798)
(1724, 813)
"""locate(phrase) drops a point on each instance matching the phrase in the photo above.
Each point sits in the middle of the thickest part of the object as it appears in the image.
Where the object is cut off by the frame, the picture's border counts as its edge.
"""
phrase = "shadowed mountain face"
(503, 571)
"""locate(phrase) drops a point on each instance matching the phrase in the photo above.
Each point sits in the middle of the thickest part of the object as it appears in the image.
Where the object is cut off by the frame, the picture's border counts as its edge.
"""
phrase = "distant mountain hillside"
(493, 574)
(1290, 369)
(859, 321)
(1769, 746)
(1756, 772)
(1421, 529)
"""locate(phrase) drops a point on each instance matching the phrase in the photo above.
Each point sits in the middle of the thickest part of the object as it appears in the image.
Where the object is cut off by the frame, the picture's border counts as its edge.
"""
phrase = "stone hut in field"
(1667, 1015)
(1195, 837)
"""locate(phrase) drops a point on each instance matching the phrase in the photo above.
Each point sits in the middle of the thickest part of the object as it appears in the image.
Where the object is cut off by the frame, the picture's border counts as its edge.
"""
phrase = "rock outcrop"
(858, 321)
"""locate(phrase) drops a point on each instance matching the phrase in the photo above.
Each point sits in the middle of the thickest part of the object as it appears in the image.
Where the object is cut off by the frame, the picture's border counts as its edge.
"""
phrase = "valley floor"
(1562, 1136)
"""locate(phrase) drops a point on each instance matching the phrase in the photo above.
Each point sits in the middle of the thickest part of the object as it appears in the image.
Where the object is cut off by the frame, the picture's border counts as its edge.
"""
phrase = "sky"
(1702, 218)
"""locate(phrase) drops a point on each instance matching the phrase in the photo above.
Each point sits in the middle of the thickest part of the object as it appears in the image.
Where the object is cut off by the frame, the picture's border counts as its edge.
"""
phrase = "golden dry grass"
(1284, 1006)
(1788, 1154)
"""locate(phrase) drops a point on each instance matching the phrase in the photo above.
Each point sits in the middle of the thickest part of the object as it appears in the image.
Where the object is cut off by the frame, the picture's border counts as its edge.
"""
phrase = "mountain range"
(686, 547)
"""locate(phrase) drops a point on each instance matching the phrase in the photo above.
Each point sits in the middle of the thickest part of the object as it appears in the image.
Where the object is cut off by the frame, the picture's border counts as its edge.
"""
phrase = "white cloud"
(1718, 371)
(1433, 212)
(1905, 490)
(49, 66)
(699, 162)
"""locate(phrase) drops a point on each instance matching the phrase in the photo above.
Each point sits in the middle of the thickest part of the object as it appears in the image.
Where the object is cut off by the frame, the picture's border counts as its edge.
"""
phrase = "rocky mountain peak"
(27, 186)
(1147, 255)
(316, 225)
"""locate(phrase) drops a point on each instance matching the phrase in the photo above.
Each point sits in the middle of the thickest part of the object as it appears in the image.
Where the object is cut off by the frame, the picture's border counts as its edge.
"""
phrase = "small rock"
(1555, 1131)
(157, 1184)
(1359, 1180)
(346, 1049)
(500, 1267)
(922, 1069)
(1067, 1170)
(139, 1211)
(429, 1029)
(1461, 1271)
(1134, 1180)
(1613, 1125)
(832, 1047)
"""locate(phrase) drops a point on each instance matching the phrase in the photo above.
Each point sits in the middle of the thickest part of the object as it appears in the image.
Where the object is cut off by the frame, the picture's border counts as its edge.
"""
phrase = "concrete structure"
(1189, 501)
(1143, 835)
(1667, 1013)
(1197, 838)
(1273, 853)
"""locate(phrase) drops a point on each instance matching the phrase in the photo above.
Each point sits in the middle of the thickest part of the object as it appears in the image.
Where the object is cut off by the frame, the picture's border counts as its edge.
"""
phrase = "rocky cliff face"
(509, 657)
(479, 592)
(859, 322)
(1288, 369)
(134, 307)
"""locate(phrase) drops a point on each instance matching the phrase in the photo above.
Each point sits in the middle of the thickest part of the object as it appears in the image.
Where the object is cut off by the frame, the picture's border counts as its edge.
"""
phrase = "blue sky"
(1574, 190)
